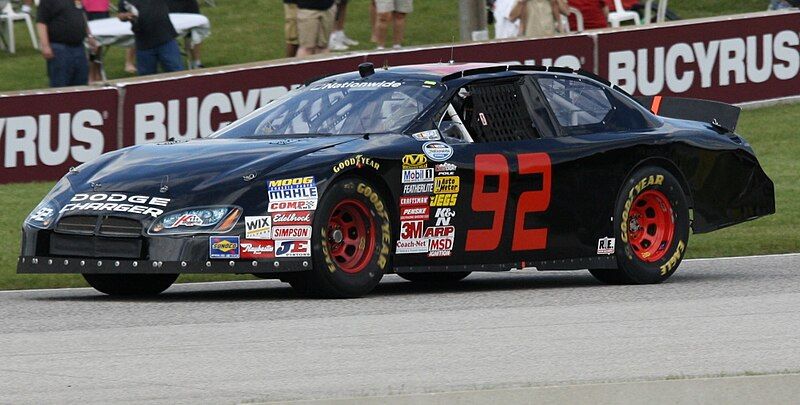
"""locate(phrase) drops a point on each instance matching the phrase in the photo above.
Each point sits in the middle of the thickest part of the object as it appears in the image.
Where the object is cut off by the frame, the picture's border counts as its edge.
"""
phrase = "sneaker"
(335, 42)
(379, 48)
(26, 9)
(347, 40)
(397, 46)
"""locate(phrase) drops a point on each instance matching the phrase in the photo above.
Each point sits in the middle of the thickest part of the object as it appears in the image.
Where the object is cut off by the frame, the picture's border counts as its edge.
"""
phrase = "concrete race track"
(256, 341)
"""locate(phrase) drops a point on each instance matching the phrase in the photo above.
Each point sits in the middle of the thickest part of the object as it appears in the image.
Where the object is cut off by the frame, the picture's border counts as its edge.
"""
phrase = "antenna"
(452, 49)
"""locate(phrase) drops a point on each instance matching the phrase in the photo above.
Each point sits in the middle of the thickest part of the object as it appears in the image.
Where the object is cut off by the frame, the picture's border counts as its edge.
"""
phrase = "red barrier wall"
(732, 60)
(42, 135)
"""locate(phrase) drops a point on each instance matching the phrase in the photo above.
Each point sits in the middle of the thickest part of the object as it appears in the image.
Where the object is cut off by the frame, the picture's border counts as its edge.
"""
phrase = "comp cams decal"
(117, 202)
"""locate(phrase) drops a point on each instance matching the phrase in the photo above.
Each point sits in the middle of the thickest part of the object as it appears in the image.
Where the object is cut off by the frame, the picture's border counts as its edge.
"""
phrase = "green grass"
(772, 135)
(252, 30)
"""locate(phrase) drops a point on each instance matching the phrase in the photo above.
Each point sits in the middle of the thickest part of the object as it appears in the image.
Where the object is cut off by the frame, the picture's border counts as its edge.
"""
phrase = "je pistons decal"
(293, 248)
(117, 202)
(223, 247)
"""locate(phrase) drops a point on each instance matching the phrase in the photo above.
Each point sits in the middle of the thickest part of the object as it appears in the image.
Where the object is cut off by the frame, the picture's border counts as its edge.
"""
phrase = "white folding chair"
(661, 13)
(9, 17)
(578, 20)
(620, 15)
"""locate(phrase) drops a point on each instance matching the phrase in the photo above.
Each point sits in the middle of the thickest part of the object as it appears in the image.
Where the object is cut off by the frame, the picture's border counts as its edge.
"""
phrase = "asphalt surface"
(256, 341)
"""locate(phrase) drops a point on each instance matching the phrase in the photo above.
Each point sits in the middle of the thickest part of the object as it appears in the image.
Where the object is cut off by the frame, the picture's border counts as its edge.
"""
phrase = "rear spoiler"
(721, 115)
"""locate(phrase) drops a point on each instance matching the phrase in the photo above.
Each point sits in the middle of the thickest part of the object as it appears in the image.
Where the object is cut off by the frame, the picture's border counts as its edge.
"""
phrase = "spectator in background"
(781, 4)
(507, 16)
(62, 29)
(392, 11)
(541, 18)
(154, 33)
(95, 10)
(314, 25)
(595, 14)
(189, 7)
(339, 41)
(290, 27)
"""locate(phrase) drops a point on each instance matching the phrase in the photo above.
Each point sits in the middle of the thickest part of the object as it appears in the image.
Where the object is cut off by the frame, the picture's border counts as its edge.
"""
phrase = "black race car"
(427, 171)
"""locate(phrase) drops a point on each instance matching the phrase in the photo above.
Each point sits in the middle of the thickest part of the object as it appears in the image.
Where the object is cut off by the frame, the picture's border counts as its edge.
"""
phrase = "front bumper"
(83, 265)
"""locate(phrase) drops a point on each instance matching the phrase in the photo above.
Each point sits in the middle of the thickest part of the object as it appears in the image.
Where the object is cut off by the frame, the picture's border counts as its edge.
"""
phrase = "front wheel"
(351, 242)
(651, 228)
(130, 284)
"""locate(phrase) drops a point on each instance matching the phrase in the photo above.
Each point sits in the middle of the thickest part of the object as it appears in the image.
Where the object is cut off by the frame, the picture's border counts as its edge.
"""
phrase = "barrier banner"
(42, 135)
(738, 59)
(195, 106)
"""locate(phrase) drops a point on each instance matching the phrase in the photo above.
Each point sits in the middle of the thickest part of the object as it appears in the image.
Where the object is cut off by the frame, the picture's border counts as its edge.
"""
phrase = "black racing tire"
(651, 227)
(443, 277)
(350, 263)
(130, 284)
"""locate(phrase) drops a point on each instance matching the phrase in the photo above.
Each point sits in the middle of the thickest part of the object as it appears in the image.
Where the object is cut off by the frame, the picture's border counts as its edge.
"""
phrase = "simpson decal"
(115, 202)
(291, 232)
(258, 227)
(223, 247)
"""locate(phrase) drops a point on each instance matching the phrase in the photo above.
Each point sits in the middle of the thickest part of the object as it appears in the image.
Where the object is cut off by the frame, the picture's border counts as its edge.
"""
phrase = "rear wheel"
(130, 284)
(435, 278)
(651, 229)
(351, 242)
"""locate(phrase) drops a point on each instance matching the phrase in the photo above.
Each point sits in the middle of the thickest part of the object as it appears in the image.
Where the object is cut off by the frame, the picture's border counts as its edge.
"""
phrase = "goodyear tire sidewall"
(652, 178)
(353, 283)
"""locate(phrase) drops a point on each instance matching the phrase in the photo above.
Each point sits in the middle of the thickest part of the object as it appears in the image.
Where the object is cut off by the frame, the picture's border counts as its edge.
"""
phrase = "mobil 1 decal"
(489, 202)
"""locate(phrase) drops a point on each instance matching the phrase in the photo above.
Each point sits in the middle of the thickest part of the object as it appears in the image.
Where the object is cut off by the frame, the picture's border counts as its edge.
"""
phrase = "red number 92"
(488, 165)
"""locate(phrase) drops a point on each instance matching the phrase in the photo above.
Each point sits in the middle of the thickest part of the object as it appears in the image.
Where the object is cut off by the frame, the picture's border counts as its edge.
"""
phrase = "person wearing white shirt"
(507, 15)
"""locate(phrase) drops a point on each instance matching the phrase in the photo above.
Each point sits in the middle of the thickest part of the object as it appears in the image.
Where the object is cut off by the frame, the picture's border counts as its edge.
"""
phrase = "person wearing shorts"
(290, 27)
(393, 11)
(314, 25)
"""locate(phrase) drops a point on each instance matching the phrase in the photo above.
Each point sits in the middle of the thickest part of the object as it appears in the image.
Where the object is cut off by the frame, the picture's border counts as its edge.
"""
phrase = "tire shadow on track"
(272, 290)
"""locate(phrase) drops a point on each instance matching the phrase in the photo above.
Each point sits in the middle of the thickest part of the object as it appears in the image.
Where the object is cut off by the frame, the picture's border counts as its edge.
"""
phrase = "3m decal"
(418, 188)
(223, 247)
(437, 151)
(358, 161)
(291, 218)
(605, 246)
(414, 161)
(303, 205)
(257, 249)
(496, 166)
(443, 216)
(293, 248)
(444, 200)
(115, 202)
(258, 227)
(412, 238)
(291, 232)
(296, 189)
(417, 175)
(446, 185)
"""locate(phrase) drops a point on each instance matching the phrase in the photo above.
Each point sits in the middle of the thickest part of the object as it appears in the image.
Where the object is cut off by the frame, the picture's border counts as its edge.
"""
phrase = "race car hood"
(193, 167)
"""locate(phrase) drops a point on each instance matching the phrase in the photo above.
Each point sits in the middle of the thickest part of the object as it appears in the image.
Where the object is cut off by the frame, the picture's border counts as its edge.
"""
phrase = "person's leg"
(169, 55)
(399, 29)
(384, 10)
(56, 69)
(146, 61)
(308, 22)
(326, 22)
(79, 68)
(130, 60)
(373, 23)
(290, 29)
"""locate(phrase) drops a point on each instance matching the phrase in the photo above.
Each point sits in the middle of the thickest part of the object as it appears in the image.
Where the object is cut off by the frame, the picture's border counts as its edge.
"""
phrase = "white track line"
(258, 281)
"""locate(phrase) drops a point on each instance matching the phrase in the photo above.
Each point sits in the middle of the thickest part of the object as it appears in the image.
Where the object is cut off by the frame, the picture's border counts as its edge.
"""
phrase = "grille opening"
(79, 224)
(120, 227)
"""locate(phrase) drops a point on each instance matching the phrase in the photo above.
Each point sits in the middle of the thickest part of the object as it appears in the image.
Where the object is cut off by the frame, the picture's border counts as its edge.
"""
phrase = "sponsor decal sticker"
(418, 188)
(358, 85)
(291, 232)
(296, 189)
(258, 227)
(444, 200)
(414, 212)
(414, 200)
(257, 249)
(187, 219)
(293, 248)
(445, 168)
(291, 218)
(415, 161)
(605, 246)
(431, 135)
(223, 247)
(302, 205)
(42, 214)
(440, 240)
(412, 238)
(446, 185)
(417, 175)
(358, 161)
(437, 151)
(117, 202)
(443, 216)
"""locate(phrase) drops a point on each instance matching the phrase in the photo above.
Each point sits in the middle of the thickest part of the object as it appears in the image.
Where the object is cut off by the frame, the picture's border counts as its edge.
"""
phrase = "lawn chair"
(620, 14)
(9, 17)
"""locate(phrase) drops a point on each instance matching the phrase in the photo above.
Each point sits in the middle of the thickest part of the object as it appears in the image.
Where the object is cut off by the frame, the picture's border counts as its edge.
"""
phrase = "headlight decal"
(196, 220)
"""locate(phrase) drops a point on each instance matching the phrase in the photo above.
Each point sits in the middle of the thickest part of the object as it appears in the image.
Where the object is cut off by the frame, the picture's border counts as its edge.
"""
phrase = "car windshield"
(339, 108)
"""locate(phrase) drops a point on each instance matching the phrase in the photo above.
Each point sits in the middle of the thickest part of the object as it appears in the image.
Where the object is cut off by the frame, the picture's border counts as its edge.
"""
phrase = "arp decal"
(293, 248)
(258, 227)
(495, 202)
(223, 247)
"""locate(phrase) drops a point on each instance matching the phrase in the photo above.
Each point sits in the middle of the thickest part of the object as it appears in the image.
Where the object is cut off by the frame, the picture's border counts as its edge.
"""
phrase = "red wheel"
(651, 226)
(350, 235)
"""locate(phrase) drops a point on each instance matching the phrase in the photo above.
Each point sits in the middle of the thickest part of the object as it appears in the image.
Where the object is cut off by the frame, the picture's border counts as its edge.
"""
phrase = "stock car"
(427, 171)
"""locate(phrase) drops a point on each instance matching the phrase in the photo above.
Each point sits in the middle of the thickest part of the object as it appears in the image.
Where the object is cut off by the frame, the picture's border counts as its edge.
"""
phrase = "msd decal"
(293, 248)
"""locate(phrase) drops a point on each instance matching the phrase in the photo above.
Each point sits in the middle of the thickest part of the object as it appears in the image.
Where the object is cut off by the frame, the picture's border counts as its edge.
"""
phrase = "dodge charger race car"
(427, 171)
